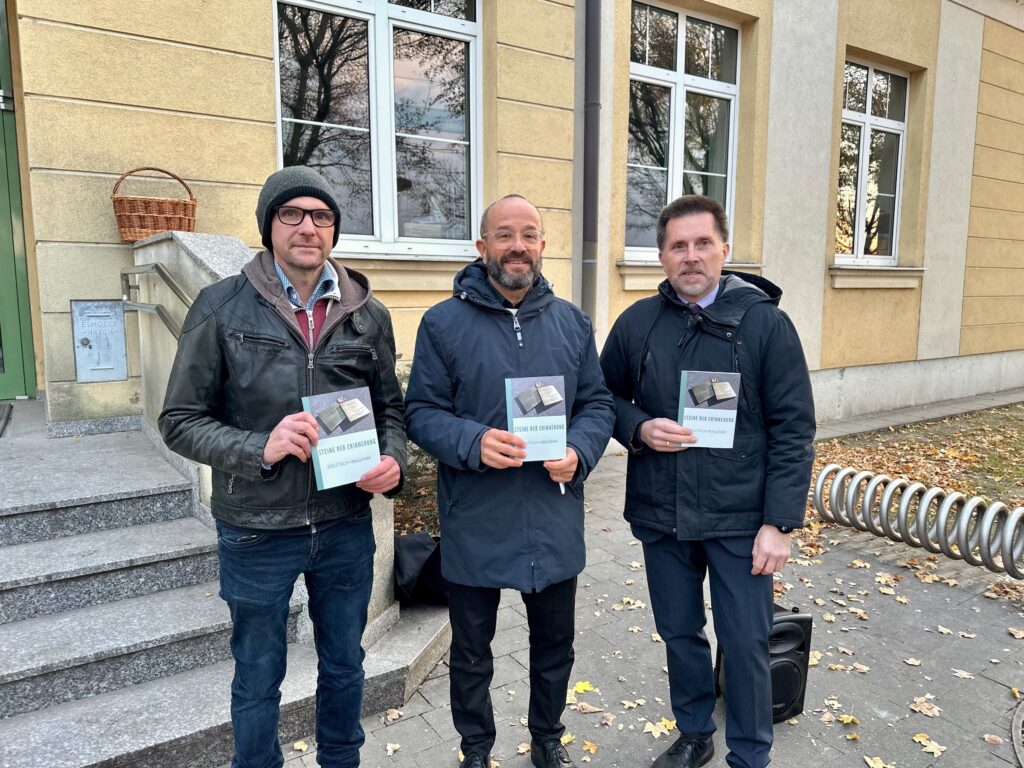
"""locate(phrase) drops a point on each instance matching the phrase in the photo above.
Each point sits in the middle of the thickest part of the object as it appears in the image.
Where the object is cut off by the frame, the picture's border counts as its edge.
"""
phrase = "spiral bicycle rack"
(981, 533)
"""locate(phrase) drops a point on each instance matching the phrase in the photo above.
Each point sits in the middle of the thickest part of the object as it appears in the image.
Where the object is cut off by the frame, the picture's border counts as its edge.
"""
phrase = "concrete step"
(52, 659)
(181, 720)
(46, 577)
(59, 517)
(50, 478)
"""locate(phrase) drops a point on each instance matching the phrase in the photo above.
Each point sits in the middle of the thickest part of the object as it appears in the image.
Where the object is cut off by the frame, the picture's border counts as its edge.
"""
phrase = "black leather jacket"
(243, 364)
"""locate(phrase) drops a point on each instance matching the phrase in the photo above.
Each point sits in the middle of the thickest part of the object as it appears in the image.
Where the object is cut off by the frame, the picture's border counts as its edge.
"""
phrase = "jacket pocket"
(348, 364)
(735, 476)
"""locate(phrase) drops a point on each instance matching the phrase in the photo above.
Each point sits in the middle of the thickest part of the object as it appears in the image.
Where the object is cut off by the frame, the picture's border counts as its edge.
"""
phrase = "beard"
(508, 280)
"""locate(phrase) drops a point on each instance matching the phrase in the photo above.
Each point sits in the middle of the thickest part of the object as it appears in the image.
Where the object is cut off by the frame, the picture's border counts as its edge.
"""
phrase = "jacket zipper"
(518, 329)
(309, 389)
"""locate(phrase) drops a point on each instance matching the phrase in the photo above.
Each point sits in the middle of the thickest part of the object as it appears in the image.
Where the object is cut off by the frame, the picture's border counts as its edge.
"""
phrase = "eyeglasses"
(292, 216)
(531, 237)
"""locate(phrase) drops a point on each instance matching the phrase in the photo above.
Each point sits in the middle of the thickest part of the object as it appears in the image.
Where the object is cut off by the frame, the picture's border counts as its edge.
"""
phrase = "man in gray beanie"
(294, 323)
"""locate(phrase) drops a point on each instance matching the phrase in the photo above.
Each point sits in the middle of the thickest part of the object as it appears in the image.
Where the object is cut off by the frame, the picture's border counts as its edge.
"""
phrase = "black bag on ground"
(418, 576)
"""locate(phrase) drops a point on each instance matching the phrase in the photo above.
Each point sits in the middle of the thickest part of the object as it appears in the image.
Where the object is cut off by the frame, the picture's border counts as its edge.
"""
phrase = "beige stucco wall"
(993, 308)
(870, 325)
(755, 20)
(106, 89)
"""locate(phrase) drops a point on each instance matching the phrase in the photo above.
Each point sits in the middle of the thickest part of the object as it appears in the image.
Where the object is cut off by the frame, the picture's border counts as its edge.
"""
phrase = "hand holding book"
(666, 436)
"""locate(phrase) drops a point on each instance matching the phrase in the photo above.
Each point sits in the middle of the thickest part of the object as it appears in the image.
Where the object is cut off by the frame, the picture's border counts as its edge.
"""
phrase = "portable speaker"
(789, 648)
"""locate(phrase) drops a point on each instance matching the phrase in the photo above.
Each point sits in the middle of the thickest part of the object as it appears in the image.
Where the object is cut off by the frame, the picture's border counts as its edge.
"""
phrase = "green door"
(17, 367)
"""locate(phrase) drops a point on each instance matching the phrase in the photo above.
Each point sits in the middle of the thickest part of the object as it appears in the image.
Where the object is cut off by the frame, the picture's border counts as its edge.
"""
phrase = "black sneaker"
(687, 752)
(476, 760)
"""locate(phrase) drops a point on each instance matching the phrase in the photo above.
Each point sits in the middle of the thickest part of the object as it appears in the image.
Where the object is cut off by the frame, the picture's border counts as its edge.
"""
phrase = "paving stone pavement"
(946, 627)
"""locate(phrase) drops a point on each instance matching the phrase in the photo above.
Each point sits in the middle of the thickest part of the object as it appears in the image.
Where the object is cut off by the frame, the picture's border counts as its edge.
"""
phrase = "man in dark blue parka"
(506, 522)
(724, 511)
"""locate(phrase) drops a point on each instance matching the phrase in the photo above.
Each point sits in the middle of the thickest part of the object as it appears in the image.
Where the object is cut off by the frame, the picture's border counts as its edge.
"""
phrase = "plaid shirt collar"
(326, 287)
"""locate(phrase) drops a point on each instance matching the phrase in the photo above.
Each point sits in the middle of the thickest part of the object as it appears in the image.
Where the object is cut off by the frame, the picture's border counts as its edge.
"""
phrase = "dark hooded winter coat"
(508, 527)
(712, 492)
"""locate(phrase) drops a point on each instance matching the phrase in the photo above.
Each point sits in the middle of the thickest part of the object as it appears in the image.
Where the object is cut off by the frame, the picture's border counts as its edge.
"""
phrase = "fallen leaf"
(392, 748)
(887, 590)
(853, 737)
(829, 618)
(968, 635)
(1017, 633)
(634, 629)
(1016, 693)
(583, 686)
(300, 746)
(944, 631)
(848, 720)
(845, 651)
(859, 564)
(912, 662)
(523, 748)
(902, 599)
(567, 738)
(814, 658)
(924, 705)
(587, 709)
(655, 729)
(589, 746)
(991, 738)
(655, 637)
(635, 566)
(862, 668)
(876, 762)
(962, 674)
(607, 718)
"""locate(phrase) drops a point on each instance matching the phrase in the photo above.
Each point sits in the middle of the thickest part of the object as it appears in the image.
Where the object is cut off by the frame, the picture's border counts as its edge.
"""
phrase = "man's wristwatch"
(787, 529)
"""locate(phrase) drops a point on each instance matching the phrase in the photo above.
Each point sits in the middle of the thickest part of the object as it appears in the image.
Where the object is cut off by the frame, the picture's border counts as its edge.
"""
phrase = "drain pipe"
(591, 154)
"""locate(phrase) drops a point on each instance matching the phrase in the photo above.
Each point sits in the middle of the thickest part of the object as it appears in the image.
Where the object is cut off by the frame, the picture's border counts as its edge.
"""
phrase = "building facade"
(870, 154)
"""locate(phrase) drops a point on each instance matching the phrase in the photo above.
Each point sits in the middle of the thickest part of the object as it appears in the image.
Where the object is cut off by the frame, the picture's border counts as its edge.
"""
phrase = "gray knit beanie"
(287, 184)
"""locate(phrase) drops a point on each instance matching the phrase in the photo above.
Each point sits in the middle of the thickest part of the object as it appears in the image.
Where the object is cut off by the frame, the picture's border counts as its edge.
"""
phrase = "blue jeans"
(258, 569)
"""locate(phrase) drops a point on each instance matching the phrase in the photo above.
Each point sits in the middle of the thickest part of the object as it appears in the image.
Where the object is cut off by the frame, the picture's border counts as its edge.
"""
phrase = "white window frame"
(382, 19)
(867, 123)
(679, 84)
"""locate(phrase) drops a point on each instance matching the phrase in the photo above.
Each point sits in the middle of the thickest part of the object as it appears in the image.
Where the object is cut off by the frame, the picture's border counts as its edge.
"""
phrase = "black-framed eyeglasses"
(292, 216)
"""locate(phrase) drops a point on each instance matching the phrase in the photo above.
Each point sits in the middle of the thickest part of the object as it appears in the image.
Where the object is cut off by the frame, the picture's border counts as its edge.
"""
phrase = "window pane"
(889, 96)
(880, 211)
(653, 36)
(430, 85)
(648, 124)
(711, 50)
(457, 9)
(710, 186)
(324, 67)
(433, 189)
(855, 87)
(646, 195)
(706, 143)
(846, 196)
(343, 157)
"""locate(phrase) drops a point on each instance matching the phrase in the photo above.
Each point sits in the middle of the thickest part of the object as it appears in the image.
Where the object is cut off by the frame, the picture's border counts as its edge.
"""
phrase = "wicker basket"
(139, 217)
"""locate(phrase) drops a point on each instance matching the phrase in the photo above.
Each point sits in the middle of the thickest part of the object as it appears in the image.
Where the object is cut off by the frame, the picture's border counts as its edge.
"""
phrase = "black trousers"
(551, 618)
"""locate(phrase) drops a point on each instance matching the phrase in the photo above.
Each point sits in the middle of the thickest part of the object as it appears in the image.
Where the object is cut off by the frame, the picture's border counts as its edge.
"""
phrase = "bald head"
(484, 223)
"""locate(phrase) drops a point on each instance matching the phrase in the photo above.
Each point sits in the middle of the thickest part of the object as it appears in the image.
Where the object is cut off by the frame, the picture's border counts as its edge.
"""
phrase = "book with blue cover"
(708, 401)
(536, 413)
(348, 446)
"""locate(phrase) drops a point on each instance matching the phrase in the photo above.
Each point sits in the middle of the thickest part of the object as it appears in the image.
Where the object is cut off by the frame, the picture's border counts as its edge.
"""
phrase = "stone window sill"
(398, 274)
(858, 276)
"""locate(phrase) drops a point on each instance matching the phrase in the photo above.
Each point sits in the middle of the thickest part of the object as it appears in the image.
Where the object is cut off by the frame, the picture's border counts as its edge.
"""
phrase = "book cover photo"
(348, 445)
(707, 405)
(536, 413)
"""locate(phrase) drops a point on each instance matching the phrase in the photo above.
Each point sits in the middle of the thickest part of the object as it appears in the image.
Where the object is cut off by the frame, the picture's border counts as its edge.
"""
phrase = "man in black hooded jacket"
(729, 512)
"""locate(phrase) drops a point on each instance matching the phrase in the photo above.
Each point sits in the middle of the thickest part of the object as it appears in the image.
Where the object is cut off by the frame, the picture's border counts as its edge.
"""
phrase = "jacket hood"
(737, 292)
(353, 286)
(472, 284)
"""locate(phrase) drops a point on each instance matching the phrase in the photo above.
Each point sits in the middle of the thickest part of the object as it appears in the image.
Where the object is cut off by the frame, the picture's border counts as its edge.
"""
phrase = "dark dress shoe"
(550, 754)
(687, 752)
(476, 760)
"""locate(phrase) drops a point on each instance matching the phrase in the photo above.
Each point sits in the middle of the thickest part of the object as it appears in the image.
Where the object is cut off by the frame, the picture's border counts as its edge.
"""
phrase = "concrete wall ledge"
(860, 276)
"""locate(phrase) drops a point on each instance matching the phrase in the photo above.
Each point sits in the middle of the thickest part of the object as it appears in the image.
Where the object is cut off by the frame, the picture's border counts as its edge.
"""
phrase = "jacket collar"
(472, 284)
(737, 292)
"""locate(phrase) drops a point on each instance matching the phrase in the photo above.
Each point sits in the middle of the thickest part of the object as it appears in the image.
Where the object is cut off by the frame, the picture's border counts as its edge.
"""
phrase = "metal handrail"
(981, 533)
(158, 309)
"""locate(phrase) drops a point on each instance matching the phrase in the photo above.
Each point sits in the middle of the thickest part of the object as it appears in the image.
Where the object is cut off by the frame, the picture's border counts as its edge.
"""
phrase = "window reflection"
(457, 9)
(647, 169)
(325, 85)
(711, 50)
(880, 201)
(707, 134)
(888, 96)
(432, 145)
(846, 199)
(653, 36)
(855, 87)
